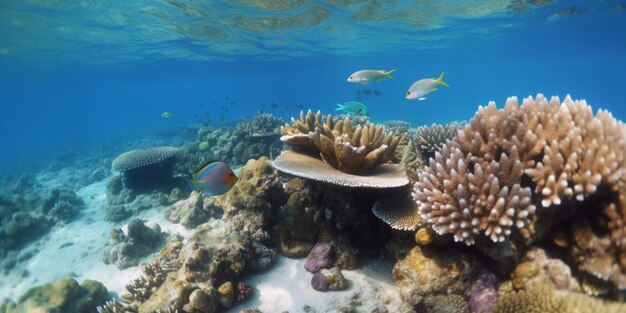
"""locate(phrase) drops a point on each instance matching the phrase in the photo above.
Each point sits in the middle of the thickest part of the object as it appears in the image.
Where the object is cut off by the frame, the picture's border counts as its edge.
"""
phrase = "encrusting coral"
(545, 298)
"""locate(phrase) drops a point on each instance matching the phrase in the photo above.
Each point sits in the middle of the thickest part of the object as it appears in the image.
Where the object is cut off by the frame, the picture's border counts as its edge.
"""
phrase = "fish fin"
(440, 80)
(340, 107)
(191, 185)
(422, 98)
(388, 73)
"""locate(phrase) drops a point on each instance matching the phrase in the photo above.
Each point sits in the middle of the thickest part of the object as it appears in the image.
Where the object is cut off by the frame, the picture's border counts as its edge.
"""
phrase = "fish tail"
(340, 107)
(440, 80)
(388, 73)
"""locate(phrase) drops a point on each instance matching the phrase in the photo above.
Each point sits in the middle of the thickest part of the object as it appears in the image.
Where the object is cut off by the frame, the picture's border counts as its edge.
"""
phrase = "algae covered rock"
(189, 212)
(62, 296)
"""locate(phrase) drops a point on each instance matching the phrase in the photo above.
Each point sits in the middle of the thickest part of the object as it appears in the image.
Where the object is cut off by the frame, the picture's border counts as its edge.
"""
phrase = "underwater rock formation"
(319, 257)
(189, 212)
(205, 273)
(63, 295)
(427, 272)
(125, 250)
(146, 169)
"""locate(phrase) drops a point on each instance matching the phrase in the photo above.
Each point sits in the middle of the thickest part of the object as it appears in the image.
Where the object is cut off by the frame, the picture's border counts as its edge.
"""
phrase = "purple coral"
(483, 293)
(319, 282)
(319, 258)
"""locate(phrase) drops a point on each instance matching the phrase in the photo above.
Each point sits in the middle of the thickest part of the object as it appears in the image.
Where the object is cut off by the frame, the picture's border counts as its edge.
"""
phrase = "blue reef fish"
(356, 108)
(213, 179)
(369, 76)
(423, 87)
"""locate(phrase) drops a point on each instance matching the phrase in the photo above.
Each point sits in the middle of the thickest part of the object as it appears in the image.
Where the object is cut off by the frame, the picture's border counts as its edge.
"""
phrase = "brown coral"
(352, 150)
(297, 134)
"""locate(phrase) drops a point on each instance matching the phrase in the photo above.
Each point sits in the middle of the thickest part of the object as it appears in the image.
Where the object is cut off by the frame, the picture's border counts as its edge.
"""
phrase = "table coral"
(145, 169)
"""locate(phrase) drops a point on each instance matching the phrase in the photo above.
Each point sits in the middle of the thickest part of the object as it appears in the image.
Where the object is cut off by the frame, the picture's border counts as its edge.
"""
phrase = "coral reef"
(204, 274)
(125, 250)
(26, 217)
(63, 295)
(249, 139)
(508, 162)
(146, 169)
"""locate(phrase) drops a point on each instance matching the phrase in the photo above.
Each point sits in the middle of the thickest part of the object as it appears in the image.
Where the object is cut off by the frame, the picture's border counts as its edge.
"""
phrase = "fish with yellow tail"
(369, 76)
(213, 179)
(425, 86)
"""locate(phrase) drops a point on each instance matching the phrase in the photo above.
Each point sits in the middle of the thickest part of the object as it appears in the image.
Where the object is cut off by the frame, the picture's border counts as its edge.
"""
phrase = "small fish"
(356, 108)
(423, 87)
(369, 76)
(166, 115)
(213, 179)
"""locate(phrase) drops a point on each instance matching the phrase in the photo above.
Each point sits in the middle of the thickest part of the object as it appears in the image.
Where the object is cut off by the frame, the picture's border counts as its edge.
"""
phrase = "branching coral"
(430, 139)
(351, 150)
(477, 184)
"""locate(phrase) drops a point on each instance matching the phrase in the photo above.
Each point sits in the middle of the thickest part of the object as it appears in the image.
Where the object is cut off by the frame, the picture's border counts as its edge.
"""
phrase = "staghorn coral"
(477, 184)
(454, 199)
(544, 298)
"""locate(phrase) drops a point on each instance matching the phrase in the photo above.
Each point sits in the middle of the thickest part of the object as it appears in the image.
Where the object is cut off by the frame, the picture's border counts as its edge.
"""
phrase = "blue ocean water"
(74, 72)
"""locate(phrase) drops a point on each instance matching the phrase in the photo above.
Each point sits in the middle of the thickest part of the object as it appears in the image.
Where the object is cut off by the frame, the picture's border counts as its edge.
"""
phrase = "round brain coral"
(142, 157)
